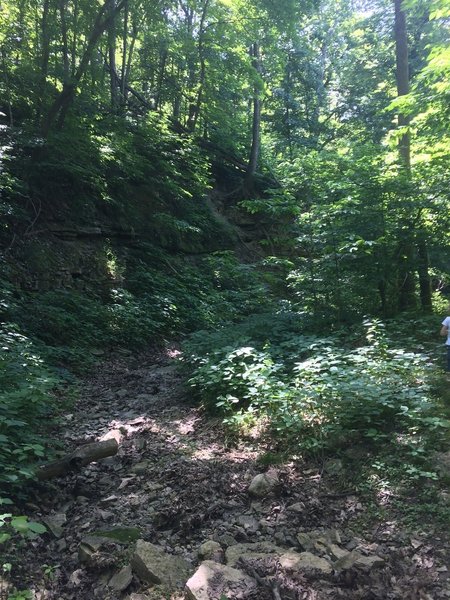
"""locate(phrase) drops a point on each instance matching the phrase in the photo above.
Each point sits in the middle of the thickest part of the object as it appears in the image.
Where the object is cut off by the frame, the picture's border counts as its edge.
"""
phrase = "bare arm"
(444, 330)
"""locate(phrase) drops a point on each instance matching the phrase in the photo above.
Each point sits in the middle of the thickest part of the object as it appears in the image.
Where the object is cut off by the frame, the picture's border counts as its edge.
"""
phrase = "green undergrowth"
(374, 386)
(29, 400)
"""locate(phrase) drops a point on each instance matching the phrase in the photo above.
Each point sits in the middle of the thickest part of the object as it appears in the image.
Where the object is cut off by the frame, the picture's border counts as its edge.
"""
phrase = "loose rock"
(121, 580)
(305, 563)
(211, 550)
(153, 565)
(252, 551)
(213, 581)
(263, 484)
(55, 523)
(356, 559)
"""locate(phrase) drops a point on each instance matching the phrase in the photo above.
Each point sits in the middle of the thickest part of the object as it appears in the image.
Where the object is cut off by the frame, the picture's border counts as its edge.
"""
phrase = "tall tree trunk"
(424, 277)
(164, 54)
(126, 76)
(406, 283)
(124, 49)
(7, 86)
(45, 57)
(65, 43)
(112, 57)
(74, 37)
(287, 107)
(256, 124)
(402, 76)
(194, 108)
(406, 279)
(62, 102)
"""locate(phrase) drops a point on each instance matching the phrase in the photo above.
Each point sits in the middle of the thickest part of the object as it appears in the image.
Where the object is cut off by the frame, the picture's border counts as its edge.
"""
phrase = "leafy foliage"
(27, 403)
(314, 394)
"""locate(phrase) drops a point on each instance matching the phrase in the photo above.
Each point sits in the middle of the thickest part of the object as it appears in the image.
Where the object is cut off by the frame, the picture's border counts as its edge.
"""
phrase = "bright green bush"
(331, 395)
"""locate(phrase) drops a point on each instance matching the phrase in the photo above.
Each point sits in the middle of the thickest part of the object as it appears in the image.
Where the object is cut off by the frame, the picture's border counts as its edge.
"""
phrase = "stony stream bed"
(180, 513)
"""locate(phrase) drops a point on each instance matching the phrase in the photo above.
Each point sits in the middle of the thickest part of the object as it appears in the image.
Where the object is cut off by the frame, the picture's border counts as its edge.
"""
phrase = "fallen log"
(78, 458)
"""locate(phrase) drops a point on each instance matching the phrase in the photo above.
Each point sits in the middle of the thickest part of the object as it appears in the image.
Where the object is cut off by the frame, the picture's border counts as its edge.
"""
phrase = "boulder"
(121, 580)
(296, 509)
(321, 542)
(89, 546)
(251, 551)
(213, 581)
(305, 541)
(305, 563)
(263, 484)
(55, 523)
(249, 523)
(358, 560)
(141, 468)
(153, 565)
(211, 550)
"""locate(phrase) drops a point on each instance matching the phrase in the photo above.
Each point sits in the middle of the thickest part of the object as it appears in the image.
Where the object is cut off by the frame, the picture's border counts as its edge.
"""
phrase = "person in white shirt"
(445, 331)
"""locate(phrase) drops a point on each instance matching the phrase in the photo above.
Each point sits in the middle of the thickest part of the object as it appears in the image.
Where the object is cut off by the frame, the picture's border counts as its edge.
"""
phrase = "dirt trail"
(176, 483)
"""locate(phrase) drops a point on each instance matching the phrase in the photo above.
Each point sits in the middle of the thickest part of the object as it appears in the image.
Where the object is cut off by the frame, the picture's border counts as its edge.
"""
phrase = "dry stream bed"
(178, 514)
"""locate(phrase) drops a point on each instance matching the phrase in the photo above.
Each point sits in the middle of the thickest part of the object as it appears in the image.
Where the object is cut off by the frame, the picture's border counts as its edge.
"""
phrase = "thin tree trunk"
(65, 46)
(256, 124)
(424, 277)
(112, 57)
(407, 284)
(45, 56)
(194, 109)
(75, 37)
(287, 106)
(8, 88)
(402, 77)
(162, 71)
(124, 48)
(126, 76)
(406, 279)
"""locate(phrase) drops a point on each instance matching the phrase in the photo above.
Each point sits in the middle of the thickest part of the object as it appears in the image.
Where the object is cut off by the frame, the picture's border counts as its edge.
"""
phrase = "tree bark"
(194, 109)
(112, 56)
(256, 124)
(45, 56)
(424, 277)
(402, 77)
(406, 283)
(65, 44)
(79, 458)
(124, 47)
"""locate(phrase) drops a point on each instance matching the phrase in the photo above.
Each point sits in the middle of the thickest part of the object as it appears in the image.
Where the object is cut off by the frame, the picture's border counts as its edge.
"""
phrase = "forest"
(224, 299)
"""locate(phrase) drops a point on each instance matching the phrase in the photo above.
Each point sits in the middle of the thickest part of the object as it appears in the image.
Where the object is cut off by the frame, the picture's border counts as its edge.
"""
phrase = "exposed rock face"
(213, 581)
(153, 565)
(263, 484)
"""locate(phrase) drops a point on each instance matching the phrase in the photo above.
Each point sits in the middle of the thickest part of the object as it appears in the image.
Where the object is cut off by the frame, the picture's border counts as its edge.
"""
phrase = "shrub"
(332, 395)
(26, 404)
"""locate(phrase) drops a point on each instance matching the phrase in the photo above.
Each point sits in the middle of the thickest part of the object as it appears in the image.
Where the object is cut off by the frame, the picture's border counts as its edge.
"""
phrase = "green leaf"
(36, 527)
